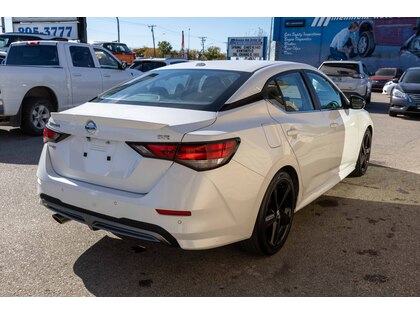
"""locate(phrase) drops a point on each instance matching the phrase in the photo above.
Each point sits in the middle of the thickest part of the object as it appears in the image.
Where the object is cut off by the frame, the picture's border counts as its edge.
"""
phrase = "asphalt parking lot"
(359, 239)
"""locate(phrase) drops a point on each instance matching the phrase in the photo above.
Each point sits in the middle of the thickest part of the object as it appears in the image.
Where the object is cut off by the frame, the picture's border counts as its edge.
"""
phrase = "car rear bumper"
(97, 221)
(222, 211)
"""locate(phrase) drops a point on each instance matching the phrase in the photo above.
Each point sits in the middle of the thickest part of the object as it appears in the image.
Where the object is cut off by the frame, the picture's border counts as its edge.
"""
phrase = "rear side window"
(33, 55)
(81, 57)
(289, 92)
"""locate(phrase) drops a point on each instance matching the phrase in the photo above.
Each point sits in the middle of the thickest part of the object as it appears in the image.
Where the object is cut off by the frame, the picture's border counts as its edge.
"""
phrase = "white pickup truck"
(39, 77)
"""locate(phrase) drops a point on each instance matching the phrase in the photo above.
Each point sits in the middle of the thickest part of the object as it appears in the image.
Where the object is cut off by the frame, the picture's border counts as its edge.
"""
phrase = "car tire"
(366, 44)
(274, 218)
(362, 163)
(392, 114)
(35, 114)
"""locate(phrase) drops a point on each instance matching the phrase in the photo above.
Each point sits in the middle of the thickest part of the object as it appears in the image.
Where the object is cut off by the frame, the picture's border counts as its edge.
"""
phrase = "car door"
(86, 79)
(111, 70)
(306, 128)
(343, 132)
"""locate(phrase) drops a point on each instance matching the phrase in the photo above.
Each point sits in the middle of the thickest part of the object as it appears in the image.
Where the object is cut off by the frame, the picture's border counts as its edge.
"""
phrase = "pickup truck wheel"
(35, 114)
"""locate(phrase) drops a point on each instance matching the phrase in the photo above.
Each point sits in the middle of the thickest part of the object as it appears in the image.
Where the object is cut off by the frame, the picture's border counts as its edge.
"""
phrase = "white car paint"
(388, 87)
(322, 148)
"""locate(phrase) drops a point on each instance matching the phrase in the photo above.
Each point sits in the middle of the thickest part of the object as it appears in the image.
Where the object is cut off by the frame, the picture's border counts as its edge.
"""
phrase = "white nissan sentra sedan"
(204, 154)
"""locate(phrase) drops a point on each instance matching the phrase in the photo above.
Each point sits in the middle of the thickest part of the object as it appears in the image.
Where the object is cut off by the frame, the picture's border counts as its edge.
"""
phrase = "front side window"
(81, 57)
(106, 60)
(328, 96)
(181, 88)
(288, 91)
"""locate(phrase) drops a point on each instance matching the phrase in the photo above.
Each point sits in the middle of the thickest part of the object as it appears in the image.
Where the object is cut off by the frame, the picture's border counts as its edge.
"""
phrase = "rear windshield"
(33, 55)
(386, 72)
(340, 69)
(411, 76)
(178, 88)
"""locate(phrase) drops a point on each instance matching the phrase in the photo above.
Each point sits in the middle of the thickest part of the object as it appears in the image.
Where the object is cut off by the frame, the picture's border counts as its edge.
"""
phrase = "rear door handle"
(292, 132)
(333, 125)
(107, 75)
(76, 74)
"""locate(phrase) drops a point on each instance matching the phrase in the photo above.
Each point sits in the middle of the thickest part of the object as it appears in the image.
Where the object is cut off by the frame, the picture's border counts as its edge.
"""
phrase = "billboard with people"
(378, 42)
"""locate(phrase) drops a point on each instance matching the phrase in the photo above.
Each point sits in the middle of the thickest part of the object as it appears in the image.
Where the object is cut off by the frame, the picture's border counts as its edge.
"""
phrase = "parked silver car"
(405, 97)
(352, 77)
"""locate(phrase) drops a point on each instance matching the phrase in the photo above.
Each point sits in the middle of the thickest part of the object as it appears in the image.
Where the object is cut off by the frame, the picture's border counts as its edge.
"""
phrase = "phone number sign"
(54, 27)
(247, 47)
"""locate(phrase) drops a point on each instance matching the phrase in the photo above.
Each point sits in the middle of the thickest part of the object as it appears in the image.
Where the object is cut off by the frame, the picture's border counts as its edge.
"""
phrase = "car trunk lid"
(96, 151)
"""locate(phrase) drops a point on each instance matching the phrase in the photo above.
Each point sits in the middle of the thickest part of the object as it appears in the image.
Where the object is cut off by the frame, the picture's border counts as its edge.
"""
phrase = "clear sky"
(134, 31)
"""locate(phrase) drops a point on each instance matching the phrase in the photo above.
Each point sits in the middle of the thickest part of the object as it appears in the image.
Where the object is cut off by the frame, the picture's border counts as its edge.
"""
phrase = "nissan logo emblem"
(90, 127)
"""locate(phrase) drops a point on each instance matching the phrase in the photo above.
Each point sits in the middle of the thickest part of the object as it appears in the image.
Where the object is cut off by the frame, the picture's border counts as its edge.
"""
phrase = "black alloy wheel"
(364, 155)
(275, 216)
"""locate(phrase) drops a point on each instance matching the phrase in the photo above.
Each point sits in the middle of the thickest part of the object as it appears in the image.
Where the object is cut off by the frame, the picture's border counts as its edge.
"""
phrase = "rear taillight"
(53, 136)
(201, 156)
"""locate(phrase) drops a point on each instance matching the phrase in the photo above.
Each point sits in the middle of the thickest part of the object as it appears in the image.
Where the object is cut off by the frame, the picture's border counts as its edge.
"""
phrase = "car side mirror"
(123, 65)
(357, 102)
(395, 80)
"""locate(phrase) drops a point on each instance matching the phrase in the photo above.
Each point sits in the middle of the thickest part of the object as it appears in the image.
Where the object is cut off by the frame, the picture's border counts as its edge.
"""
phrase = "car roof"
(40, 35)
(342, 61)
(233, 65)
(160, 59)
(101, 43)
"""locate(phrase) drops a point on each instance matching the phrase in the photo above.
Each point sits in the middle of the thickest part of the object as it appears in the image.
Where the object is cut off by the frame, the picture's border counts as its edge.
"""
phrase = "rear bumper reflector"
(174, 212)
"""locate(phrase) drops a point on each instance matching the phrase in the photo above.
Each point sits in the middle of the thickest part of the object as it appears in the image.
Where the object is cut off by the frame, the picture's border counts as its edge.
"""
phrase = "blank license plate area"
(98, 156)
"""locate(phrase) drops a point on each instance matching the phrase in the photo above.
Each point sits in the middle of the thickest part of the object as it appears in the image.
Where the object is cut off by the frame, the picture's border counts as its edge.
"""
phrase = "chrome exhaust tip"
(60, 218)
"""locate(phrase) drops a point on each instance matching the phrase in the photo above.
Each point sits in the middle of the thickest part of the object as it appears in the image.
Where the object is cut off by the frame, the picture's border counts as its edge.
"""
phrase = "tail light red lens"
(53, 136)
(198, 156)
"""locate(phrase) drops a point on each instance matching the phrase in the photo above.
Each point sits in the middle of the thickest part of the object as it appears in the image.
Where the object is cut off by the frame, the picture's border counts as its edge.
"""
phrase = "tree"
(214, 53)
(165, 48)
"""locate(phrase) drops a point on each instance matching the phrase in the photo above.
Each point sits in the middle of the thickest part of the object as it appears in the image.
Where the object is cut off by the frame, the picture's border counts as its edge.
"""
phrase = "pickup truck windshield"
(33, 55)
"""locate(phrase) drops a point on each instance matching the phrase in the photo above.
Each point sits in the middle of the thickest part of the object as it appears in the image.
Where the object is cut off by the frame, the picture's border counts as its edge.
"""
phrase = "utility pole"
(203, 40)
(3, 27)
(153, 36)
(188, 50)
(118, 28)
(270, 39)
